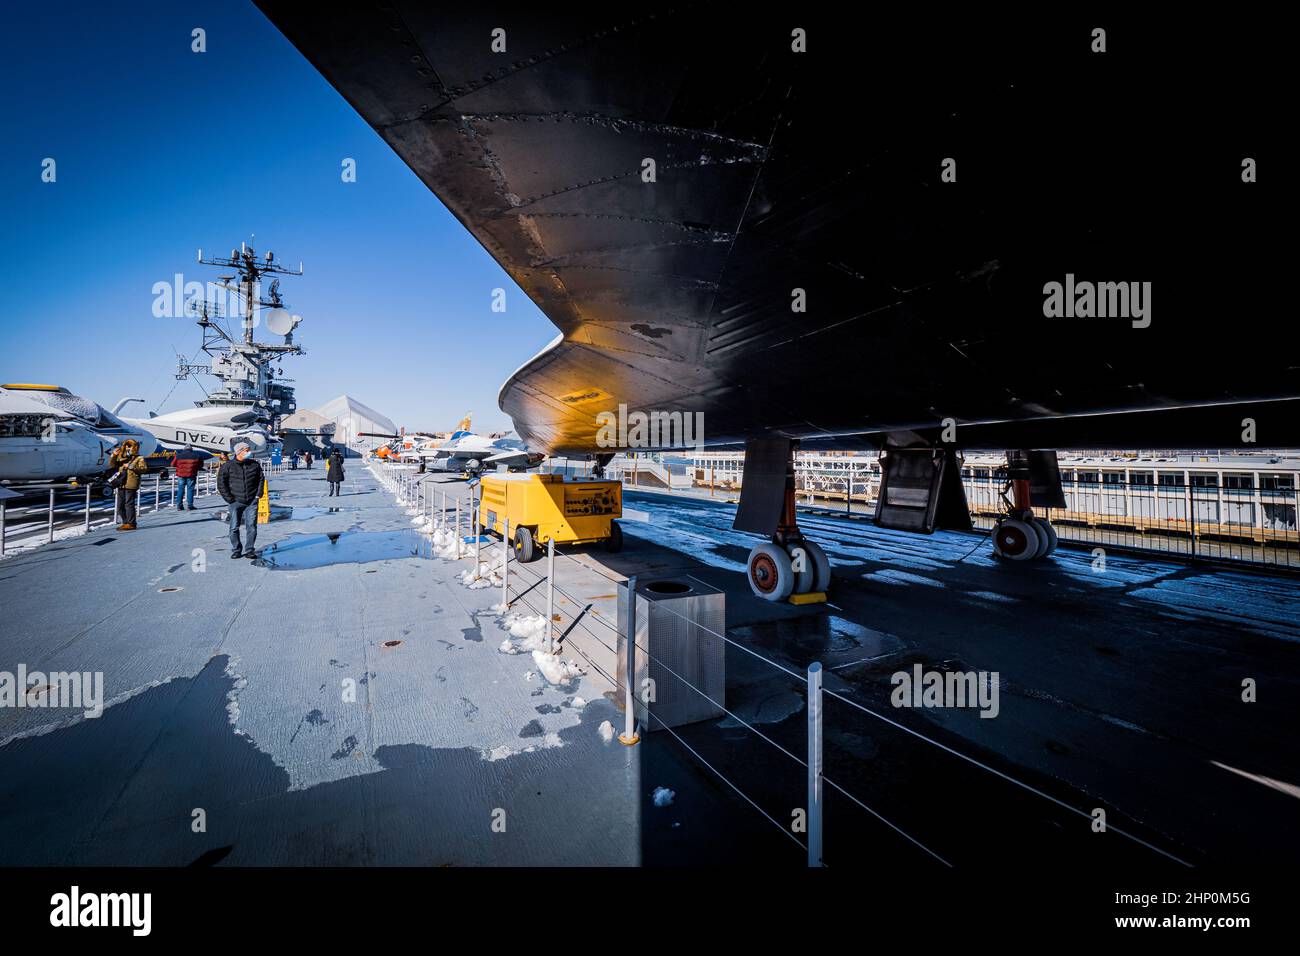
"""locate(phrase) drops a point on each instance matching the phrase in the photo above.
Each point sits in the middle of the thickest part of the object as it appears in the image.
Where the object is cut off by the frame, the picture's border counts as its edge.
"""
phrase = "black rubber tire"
(614, 543)
(525, 547)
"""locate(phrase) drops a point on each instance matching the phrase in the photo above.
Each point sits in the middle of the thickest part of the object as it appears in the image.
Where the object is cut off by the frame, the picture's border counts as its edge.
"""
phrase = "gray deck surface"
(1119, 689)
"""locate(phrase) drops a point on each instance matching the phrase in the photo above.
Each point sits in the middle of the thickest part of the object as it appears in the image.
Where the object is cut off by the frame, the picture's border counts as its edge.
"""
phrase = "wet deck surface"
(1118, 689)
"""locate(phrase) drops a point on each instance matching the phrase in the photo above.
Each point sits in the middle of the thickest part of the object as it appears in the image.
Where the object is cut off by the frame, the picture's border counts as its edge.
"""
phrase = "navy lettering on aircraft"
(197, 438)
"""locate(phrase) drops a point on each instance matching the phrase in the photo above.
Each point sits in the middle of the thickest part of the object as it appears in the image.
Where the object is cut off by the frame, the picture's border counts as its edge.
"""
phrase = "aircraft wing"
(855, 242)
(505, 456)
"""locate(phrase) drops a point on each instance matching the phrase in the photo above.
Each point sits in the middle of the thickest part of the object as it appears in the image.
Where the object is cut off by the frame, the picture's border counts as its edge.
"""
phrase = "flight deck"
(348, 698)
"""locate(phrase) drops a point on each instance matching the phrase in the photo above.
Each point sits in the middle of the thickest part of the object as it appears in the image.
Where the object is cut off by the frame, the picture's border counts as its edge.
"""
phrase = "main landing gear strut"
(791, 564)
(1019, 535)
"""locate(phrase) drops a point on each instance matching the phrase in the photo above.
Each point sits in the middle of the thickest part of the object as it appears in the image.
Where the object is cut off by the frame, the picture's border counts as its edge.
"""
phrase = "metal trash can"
(678, 620)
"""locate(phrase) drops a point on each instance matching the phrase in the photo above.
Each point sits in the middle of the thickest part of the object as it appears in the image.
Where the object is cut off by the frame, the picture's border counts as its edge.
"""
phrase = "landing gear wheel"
(821, 566)
(1016, 540)
(614, 543)
(771, 576)
(801, 559)
(1049, 536)
(525, 549)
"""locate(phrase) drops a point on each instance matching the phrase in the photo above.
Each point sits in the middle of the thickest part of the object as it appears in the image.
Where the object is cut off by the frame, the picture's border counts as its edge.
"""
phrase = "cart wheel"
(525, 550)
(614, 543)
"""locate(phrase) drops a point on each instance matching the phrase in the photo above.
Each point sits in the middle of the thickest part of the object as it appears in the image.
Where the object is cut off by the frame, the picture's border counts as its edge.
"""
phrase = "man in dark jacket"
(334, 471)
(189, 462)
(240, 484)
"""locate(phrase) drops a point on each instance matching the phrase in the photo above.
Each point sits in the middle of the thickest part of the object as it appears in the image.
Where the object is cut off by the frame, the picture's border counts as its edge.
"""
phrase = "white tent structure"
(350, 418)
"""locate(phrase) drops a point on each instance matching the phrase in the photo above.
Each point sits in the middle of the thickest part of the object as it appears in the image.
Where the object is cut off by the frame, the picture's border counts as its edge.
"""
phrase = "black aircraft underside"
(820, 171)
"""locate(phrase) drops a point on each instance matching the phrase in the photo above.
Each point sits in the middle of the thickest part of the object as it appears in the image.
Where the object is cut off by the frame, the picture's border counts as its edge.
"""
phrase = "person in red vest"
(189, 462)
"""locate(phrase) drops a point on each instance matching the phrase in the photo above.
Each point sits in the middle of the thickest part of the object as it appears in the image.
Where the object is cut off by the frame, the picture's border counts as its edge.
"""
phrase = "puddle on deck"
(302, 513)
(344, 547)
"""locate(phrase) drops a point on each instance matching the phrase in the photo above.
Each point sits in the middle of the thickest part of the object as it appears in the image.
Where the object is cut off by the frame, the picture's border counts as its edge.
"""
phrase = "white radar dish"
(279, 322)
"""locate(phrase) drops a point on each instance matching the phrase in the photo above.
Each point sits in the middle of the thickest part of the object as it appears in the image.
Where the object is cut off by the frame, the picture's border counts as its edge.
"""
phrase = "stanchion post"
(50, 521)
(459, 536)
(87, 527)
(3, 508)
(629, 736)
(550, 595)
(505, 566)
(478, 538)
(442, 515)
(157, 491)
(814, 764)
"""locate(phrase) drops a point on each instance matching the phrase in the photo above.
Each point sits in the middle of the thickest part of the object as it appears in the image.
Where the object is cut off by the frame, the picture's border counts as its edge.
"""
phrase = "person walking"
(127, 467)
(240, 485)
(188, 463)
(334, 471)
(308, 454)
(293, 461)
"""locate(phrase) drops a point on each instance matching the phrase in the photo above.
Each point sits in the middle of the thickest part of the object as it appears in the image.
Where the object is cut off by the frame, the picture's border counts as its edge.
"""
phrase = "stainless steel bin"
(678, 620)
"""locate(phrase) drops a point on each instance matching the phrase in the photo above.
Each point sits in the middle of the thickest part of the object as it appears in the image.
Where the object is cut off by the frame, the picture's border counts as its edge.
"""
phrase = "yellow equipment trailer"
(545, 507)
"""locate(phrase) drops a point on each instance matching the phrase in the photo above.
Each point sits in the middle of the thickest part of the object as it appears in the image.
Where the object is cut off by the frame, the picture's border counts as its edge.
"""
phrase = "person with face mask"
(334, 471)
(239, 482)
(126, 462)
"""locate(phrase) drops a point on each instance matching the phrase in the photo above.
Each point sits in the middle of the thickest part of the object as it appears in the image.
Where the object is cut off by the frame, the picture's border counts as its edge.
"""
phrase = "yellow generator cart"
(541, 508)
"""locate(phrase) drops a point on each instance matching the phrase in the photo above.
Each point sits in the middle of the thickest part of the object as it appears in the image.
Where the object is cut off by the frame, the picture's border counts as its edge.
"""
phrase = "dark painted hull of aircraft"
(822, 171)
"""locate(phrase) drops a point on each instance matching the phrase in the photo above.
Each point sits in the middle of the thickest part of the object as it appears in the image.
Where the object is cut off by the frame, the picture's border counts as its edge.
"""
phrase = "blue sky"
(161, 151)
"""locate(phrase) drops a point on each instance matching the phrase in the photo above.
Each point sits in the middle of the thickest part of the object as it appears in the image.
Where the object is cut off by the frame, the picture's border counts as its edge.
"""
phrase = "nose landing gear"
(791, 567)
(798, 566)
(1020, 535)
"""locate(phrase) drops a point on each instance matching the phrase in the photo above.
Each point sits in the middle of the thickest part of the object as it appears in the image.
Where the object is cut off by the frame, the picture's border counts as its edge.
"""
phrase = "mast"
(246, 367)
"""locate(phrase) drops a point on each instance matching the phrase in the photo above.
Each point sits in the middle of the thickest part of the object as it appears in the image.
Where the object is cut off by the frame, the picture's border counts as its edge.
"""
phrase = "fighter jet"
(49, 434)
(464, 451)
(467, 452)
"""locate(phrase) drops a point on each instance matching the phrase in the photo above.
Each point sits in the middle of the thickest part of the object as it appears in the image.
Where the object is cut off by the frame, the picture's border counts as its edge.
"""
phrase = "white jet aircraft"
(49, 434)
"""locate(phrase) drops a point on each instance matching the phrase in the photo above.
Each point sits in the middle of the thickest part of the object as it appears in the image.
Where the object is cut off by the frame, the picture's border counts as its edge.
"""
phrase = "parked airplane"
(463, 451)
(841, 230)
(213, 428)
(49, 434)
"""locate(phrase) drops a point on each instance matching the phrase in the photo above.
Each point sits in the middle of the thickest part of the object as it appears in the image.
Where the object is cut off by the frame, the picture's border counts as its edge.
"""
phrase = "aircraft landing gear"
(1020, 535)
(778, 570)
(791, 565)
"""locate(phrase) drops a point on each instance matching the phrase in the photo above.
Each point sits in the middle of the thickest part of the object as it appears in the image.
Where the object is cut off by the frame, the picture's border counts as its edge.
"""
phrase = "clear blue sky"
(161, 151)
